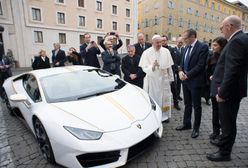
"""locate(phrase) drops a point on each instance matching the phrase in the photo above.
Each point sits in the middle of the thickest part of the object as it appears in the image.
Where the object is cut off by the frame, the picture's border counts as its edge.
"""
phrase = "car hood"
(112, 111)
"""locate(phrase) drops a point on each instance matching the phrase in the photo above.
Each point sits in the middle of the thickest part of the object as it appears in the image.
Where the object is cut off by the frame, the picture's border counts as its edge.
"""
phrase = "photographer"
(89, 51)
(111, 60)
(5, 72)
(74, 57)
(113, 38)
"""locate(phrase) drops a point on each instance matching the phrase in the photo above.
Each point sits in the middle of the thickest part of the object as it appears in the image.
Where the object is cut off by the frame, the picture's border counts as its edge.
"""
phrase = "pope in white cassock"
(156, 62)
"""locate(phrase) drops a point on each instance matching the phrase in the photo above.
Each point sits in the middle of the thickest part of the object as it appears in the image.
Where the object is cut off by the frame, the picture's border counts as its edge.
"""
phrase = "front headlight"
(83, 134)
(153, 104)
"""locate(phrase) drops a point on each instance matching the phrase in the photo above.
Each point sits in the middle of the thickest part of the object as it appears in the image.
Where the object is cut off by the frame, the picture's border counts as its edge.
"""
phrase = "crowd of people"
(162, 70)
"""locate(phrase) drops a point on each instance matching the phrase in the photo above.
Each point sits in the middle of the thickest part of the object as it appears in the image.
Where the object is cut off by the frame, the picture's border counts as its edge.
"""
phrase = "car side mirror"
(18, 98)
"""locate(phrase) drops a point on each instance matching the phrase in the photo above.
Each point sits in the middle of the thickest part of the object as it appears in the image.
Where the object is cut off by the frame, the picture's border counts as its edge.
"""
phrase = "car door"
(29, 87)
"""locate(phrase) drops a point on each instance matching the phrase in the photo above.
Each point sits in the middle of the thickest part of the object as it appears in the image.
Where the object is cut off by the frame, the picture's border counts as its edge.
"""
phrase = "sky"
(242, 1)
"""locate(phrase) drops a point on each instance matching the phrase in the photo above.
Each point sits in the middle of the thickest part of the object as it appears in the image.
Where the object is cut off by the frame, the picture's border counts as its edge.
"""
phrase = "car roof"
(59, 70)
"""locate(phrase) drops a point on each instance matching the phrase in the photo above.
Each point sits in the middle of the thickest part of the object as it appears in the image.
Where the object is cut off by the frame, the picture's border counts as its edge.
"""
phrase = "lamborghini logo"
(139, 126)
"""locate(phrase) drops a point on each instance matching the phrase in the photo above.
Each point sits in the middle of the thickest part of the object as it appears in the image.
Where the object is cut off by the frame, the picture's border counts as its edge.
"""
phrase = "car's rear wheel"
(6, 100)
(44, 141)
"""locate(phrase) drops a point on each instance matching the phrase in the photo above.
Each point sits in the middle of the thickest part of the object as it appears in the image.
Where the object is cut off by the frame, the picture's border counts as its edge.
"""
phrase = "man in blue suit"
(191, 73)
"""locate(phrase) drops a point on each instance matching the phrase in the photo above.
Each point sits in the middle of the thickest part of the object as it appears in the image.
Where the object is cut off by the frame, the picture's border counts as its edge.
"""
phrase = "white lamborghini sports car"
(83, 116)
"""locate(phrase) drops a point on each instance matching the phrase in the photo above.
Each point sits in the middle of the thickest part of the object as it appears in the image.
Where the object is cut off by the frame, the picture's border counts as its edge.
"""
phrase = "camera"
(92, 42)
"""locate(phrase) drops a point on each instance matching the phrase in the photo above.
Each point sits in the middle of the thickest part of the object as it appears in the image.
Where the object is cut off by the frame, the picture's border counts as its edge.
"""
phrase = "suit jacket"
(109, 61)
(40, 64)
(178, 55)
(139, 50)
(90, 56)
(5, 72)
(230, 75)
(130, 65)
(196, 65)
(60, 57)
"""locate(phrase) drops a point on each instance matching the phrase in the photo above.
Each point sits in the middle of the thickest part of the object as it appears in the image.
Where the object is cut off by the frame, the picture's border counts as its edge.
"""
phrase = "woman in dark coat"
(41, 61)
(74, 57)
(217, 46)
(111, 60)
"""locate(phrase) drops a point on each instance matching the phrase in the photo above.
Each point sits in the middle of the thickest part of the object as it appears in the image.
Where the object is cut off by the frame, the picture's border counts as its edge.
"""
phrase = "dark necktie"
(186, 62)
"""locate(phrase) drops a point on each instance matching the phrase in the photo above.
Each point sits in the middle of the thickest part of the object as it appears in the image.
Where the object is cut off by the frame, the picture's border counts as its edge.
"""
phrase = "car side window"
(31, 86)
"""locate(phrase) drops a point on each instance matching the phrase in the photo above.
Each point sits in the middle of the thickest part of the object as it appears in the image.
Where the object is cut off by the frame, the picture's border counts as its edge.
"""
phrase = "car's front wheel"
(44, 141)
(159, 132)
(6, 100)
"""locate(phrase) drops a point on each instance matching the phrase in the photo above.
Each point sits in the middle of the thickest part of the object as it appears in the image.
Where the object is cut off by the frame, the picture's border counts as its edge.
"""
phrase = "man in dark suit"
(89, 51)
(191, 73)
(130, 67)
(178, 51)
(58, 56)
(229, 84)
(141, 46)
(5, 72)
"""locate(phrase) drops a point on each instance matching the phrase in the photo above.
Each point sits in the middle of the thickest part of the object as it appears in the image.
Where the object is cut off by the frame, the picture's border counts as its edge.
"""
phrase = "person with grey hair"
(156, 62)
(130, 67)
(111, 59)
(229, 84)
(141, 45)
(58, 56)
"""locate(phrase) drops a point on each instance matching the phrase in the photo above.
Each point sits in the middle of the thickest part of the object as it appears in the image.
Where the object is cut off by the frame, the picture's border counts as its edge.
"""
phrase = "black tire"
(44, 141)
(6, 100)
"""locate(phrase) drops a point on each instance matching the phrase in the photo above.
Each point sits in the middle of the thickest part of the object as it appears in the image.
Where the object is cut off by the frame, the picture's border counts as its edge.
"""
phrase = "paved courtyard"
(19, 149)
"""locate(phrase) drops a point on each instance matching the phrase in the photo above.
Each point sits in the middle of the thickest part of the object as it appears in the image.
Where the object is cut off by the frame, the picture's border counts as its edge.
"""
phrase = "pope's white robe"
(157, 82)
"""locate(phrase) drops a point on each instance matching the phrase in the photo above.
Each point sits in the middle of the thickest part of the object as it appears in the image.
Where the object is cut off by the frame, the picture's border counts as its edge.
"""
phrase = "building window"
(60, 1)
(81, 3)
(189, 10)
(206, 15)
(147, 37)
(197, 26)
(99, 5)
(62, 38)
(114, 25)
(128, 29)
(114, 9)
(61, 17)
(212, 17)
(156, 20)
(170, 20)
(128, 13)
(170, 4)
(36, 14)
(169, 36)
(206, 3)
(197, 1)
(127, 42)
(205, 28)
(189, 24)
(146, 23)
(218, 7)
(38, 37)
(234, 12)
(197, 13)
(211, 29)
(180, 22)
(1, 8)
(213, 6)
(99, 23)
(128, 0)
(81, 21)
(99, 39)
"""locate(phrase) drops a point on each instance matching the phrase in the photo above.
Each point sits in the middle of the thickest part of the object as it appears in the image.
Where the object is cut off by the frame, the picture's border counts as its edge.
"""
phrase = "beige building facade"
(31, 25)
(172, 17)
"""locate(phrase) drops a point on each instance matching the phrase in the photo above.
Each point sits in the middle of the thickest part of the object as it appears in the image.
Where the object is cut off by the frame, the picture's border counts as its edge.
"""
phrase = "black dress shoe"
(179, 98)
(218, 157)
(214, 135)
(215, 142)
(195, 133)
(177, 107)
(183, 127)
(167, 121)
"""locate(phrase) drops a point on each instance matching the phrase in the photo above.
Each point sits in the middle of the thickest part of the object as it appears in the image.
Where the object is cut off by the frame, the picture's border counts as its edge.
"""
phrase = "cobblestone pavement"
(18, 147)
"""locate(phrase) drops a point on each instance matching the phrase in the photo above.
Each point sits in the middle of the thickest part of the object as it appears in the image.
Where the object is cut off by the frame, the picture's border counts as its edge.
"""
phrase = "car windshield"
(78, 85)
